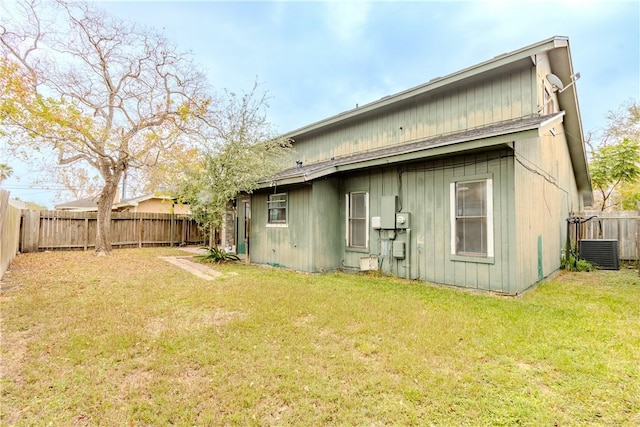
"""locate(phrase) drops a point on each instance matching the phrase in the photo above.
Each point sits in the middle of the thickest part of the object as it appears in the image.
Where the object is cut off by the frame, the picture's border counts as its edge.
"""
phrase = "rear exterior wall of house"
(529, 175)
(315, 235)
(424, 191)
(309, 239)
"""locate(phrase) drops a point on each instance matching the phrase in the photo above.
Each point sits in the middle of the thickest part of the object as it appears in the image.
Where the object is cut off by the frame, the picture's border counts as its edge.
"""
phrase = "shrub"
(215, 255)
(572, 263)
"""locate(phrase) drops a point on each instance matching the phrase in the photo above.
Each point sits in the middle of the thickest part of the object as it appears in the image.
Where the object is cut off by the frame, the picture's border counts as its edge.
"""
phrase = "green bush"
(584, 265)
(215, 255)
(573, 263)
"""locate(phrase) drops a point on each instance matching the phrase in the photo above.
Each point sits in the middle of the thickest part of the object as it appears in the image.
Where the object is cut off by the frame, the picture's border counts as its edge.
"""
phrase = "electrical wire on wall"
(535, 171)
(546, 176)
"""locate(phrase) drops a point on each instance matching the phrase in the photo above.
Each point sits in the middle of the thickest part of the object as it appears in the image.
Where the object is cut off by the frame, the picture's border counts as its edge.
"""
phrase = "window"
(357, 219)
(472, 218)
(277, 207)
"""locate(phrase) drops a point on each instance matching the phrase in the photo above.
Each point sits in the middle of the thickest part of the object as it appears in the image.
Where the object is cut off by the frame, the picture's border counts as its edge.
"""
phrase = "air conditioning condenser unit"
(603, 253)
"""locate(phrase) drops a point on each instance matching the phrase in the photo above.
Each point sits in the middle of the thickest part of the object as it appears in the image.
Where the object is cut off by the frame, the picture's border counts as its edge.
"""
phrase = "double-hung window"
(357, 219)
(277, 208)
(472, 218)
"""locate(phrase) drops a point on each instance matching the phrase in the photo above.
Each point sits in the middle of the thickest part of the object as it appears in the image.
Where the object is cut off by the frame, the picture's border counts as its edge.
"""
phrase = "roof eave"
(463, 144)
(561, 65)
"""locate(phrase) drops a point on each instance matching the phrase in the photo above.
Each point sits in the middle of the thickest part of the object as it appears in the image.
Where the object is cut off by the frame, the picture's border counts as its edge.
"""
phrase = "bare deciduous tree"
(102, 91)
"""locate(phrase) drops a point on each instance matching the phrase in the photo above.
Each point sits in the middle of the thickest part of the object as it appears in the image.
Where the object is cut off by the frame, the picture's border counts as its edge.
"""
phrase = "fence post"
(86, 233)
(171, 229)
(30, 231)
(4, 213)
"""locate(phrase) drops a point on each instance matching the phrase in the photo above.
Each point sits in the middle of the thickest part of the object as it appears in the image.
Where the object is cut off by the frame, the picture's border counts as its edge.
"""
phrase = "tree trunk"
(103, 228)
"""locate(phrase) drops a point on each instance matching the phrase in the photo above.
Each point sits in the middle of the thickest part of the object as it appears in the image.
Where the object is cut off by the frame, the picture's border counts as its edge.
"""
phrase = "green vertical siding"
(350, 258)
(314, 239)
(325, 223)
(287, 246)
(507, 232)
(534, 190)
(311, 239)
(423, 190)
(549, 195)
(507, 97)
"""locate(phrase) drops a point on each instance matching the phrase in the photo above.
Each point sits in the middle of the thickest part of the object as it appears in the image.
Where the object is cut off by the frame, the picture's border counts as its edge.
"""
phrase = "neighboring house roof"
(91, 203)
(413, 150)
(85, 205)
(135, 201)
(18, 204)
(559, 55)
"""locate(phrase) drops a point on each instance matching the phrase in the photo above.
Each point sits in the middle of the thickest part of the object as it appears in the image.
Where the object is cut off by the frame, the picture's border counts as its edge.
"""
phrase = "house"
(466, 180)
(148, 203)
(87, 204)
(152, 203)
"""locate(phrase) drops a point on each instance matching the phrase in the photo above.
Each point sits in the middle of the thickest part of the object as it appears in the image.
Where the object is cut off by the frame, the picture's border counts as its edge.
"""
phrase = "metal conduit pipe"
(408, 254)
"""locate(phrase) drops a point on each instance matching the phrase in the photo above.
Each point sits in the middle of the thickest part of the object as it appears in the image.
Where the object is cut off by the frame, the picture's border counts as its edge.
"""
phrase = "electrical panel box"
(402, 220)
(398, 249)
(388, 207)
(376, 222)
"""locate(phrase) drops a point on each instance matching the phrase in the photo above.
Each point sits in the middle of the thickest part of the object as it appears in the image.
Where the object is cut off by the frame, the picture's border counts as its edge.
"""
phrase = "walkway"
(195, 268)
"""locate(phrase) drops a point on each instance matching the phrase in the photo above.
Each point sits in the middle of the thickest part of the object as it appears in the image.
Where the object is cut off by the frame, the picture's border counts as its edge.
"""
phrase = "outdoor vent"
(603, 253)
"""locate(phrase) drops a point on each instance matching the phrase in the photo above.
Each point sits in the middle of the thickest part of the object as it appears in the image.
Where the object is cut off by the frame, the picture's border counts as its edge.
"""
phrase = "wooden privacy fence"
(622, 226)
(9, 231)
(62, 230)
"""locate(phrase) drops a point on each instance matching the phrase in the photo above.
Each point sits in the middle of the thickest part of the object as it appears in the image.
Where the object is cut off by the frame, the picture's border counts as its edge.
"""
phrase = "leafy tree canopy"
(615, 164)
(243, 150)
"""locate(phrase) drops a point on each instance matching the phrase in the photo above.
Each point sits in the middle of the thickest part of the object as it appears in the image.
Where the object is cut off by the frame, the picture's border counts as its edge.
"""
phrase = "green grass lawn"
(132, 340)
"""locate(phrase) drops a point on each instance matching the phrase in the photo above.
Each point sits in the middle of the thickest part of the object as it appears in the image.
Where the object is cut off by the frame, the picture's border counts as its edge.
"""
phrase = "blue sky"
(317, 59)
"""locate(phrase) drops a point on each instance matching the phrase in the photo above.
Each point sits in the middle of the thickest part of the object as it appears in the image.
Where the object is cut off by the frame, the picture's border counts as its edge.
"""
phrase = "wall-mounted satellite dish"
(557, 85)
(555, 81)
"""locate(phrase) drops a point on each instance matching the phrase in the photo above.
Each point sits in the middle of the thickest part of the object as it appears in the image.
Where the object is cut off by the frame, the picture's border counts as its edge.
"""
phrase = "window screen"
(277, 206)
(358, 220)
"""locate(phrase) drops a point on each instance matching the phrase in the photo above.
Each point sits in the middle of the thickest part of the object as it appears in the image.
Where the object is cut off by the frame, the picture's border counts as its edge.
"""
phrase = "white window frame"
(285, 222)
(349, 218)
(488, 257)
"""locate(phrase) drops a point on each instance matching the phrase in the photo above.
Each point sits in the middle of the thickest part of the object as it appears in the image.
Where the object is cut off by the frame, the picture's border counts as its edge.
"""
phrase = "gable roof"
(89, 204)
(557, 49)
(86, 204)
(135, 201)
(435, 146)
